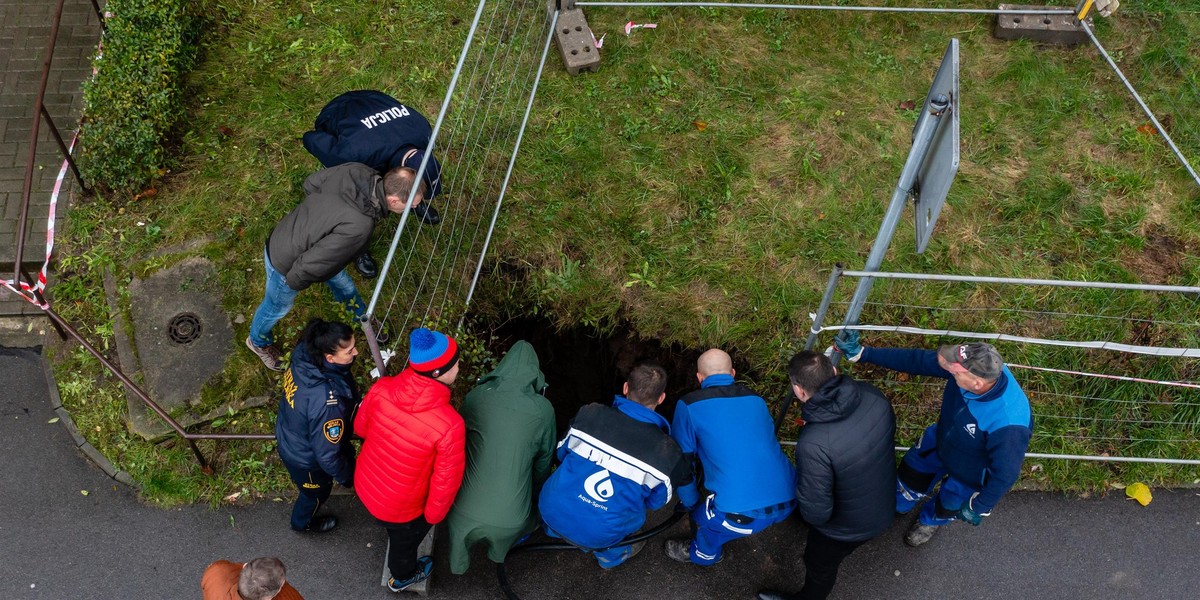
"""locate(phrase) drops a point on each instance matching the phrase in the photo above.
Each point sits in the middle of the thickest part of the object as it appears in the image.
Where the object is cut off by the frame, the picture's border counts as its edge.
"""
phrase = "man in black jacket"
(845, 468)
(316, 241)
(373, 128)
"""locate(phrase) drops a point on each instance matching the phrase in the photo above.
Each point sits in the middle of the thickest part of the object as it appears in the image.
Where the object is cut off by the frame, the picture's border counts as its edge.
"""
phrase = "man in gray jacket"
(845, 468)
(316, 241)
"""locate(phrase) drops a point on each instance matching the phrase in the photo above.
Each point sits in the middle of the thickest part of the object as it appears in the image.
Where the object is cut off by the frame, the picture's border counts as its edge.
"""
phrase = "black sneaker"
(366, 266)
(428, 214)
(424, 568)
(320, 525)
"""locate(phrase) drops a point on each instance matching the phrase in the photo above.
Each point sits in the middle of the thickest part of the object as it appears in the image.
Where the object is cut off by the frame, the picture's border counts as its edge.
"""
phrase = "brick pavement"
(24, 34)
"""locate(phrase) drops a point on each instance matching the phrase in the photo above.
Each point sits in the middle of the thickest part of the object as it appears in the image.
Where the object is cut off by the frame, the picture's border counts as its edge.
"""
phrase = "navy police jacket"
(729, 428)
(981, 439)
(373, 128)
(617, 462)
(312, 428)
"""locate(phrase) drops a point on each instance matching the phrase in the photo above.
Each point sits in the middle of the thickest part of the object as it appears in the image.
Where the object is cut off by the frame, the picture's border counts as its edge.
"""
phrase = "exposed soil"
(582, 367)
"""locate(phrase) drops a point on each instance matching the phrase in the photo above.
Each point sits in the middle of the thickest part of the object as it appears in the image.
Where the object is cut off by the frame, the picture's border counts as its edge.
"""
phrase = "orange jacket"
(221, 579)
(412, 456)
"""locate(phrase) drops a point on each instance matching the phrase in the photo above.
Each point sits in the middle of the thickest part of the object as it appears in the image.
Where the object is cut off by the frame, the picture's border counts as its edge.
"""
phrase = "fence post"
(818, 321)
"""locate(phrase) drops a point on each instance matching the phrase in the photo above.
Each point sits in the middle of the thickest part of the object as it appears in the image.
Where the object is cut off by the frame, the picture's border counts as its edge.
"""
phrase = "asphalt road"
(59, 543)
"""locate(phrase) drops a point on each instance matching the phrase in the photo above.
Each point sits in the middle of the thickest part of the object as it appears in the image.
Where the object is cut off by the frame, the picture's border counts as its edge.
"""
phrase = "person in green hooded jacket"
(510, 449)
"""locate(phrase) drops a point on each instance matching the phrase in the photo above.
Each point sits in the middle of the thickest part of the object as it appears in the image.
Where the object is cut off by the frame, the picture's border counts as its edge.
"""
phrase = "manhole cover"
(184, 328)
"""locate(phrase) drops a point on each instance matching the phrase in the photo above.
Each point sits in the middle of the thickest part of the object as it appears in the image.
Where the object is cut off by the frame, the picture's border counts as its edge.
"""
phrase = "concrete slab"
(181, 335)
(1047, 29)
(575, 45)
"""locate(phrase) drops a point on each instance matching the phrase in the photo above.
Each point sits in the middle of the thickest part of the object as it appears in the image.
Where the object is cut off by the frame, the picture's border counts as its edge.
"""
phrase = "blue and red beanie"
(431, 353)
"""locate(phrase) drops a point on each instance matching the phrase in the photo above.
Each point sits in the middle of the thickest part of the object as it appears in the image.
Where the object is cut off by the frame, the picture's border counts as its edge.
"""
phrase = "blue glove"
(847, 343)
(968, 514)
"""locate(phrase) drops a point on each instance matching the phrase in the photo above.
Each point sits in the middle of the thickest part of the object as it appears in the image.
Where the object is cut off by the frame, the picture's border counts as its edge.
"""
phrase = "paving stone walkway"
(24, 34)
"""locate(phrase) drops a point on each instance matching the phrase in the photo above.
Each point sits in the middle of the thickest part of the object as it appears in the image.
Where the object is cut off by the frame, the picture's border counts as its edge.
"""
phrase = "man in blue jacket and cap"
(976, 447)
(373, 128)
(617, 462)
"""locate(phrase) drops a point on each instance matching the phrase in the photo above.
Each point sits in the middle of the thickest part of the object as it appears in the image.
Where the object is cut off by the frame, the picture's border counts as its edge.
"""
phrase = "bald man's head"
(713, 362)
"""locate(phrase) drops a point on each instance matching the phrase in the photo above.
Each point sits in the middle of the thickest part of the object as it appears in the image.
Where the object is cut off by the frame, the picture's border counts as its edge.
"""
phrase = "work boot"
(424, 568)
(320, 525)
(919, 533)
(428, 214)
(635, 548)
(269, 355)
(680, 550)
(366, 266)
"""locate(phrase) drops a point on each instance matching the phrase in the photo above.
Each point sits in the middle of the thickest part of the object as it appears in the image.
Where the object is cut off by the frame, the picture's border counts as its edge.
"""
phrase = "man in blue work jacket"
(617, 462)
(976, 446)
(750, 482)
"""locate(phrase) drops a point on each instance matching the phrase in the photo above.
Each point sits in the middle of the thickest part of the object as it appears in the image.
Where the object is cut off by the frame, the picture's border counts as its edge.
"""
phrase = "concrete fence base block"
(425, 549)
(575, 43)
(1058, 29)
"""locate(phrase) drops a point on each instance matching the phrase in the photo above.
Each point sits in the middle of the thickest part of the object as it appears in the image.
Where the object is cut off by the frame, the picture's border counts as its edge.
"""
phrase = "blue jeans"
(607, 558)
(715, 528)
(919, 472)
(279, 298)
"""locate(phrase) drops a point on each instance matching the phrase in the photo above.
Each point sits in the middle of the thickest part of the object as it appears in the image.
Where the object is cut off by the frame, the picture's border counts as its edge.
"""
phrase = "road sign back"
(941, 163)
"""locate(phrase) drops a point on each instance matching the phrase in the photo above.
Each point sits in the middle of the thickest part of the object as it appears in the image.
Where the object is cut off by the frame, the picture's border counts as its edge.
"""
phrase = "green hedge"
(135, 99)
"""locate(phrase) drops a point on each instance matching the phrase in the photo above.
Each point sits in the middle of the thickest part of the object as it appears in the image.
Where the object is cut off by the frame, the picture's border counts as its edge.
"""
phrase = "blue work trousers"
(923, 461)
(714, 528)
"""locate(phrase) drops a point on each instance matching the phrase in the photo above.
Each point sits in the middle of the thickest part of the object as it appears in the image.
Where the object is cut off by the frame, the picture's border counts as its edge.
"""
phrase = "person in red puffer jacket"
(412, 458)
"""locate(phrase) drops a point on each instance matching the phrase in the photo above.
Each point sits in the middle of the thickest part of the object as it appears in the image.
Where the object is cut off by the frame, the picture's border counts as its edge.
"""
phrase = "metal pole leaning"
(27, 187)
(818, 320)
(1143, 287)
(511, 162)
(1137, 97)
(437, 127)
(137, 391)
(922, 137)
(891, 9)
(65, 150)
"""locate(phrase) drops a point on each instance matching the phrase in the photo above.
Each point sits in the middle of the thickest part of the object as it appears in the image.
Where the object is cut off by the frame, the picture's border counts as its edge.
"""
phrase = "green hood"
(519, 370)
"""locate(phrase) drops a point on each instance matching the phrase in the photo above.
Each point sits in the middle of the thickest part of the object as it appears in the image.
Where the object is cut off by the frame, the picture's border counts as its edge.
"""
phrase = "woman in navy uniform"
(315, 412)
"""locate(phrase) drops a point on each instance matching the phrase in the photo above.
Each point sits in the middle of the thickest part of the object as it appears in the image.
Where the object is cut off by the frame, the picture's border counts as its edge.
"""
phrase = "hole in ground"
(582, 366)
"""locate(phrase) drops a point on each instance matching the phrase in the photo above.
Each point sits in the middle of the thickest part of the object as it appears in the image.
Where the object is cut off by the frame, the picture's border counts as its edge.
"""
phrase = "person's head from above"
(714, 362)
(433, 354)
(397, 185)
(330, 341)
(808, 371)
(261, 579)
(646, 384)
(975, 366)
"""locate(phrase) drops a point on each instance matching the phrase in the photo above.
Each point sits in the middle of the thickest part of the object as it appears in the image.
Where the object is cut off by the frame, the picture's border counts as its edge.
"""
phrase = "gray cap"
(980, 359)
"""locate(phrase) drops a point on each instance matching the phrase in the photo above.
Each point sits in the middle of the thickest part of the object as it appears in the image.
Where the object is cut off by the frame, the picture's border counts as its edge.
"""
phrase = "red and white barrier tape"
(32, 292)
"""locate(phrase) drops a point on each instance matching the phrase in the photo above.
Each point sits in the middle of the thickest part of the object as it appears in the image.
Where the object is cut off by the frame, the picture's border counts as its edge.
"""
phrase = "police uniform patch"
(333, 430)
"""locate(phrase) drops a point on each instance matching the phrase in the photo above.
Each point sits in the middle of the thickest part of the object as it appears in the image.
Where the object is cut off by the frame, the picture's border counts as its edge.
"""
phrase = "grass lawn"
(698, 189)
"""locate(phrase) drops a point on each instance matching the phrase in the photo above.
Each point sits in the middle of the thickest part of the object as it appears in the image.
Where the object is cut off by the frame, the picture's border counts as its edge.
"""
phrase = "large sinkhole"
(582, 366)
